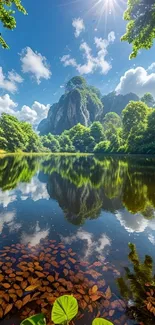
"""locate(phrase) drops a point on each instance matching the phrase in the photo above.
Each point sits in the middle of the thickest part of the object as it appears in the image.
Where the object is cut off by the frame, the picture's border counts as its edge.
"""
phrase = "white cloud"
(6, 198)
(138, 81)
(79, 26)
(35, 238)
(91, 246)
(34, 190)
(11, 81)
(151, 67)
(132, 222)
(35, 64)
(92, 62)
(7, 218)
(33, 114)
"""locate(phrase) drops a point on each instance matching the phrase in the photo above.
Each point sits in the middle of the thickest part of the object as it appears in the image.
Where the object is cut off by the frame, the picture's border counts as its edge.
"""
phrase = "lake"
(70, 219)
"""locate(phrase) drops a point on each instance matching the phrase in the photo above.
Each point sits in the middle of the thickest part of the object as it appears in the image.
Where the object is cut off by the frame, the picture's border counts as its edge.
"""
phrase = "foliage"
(140, 32)
(148, 100)
(77, 81)
(102, 147)
(7, 16)
(137, 285)
(38, 319)
(101, 321)
(65, 308)
(18, 136)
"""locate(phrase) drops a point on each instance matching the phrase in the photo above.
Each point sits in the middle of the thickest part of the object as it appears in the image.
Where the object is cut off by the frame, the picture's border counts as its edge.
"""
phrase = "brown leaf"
(40, 274)
(18, 304)
(83, 304)
(50, 278)
(19, 293)
(94, 289)
(101, 283)
(61, 289)
(106, 303)
(72, 260)
(63, 262)
(81, 291)
(26, 299)
(6, 296)
(16, 286)
(26, 274)
(1, 312)
(95, 297)
(36, 294)
(45, 283)
(19, 278)
(47, 266)
(12, 275)
(111, 312)
(12, 290)
(6, 285)
(93, 273)
(63, 255)
(72, 254)
(38, 268)
(8, 271)
(13, 296)
(24, 284)
(90, 308)
(97, 263)
(1, 277)
(8, 308)
(32, 287)
(65, 271)
(86, 298)
(108, 293)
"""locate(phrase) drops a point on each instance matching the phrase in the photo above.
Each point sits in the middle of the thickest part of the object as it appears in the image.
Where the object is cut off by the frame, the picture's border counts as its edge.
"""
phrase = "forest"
(133, 131)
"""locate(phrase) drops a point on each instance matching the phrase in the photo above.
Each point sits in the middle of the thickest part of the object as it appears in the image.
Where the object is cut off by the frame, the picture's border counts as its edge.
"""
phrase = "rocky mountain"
(116, 103)
(81, 104)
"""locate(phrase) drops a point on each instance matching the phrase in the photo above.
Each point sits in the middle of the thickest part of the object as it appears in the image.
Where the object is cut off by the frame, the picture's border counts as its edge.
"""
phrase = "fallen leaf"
(50, 278)
(12, 275)
(40, 274)
(62, 262)
(13, 296)
(90, 308)
(18, 304)
(83, 304)
(72, 260)
(16, 286)
(6, 296)
(1, 277)
(108, 293)
(97, 263)
(26, 274)
(26, 299)
(8, 308)
(106, 303)
(86, 298)
(32, 287)
(65, 271)
(6, 285)
(81, 291)
(19, 293)
(95, 297)
(94, 289)
(24, 284)
(111, 312)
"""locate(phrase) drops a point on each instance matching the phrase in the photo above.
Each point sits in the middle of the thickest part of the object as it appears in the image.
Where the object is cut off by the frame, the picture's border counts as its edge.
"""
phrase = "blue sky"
(59, 39)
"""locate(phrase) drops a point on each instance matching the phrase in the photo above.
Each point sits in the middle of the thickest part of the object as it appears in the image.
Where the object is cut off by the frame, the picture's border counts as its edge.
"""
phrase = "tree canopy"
(140, 31)
(7, 11)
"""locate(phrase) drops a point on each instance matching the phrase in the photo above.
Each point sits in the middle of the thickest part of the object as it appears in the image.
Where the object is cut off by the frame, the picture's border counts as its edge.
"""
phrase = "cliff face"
(79, 104)
(116, 103)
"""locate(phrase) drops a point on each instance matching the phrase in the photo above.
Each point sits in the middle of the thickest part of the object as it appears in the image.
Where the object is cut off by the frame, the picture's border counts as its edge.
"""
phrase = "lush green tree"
(66, 144)
(148, 100)
(113, 118)
(49, 141)
(7, 16)
(97, 132)
(133, 114)
(102, 147)
(140, 28)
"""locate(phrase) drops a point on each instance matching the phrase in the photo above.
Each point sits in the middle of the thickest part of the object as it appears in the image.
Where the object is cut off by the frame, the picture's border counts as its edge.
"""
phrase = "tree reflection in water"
(138, 287)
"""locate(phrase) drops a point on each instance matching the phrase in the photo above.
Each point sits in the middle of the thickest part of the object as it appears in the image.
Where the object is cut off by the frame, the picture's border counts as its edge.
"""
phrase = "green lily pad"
(65, 308)
(101, 321)
(38, 319)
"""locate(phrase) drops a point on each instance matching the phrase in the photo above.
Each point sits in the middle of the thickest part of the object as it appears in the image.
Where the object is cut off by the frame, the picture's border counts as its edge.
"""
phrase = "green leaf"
(101, 321)
(65, 308)
(38, 319)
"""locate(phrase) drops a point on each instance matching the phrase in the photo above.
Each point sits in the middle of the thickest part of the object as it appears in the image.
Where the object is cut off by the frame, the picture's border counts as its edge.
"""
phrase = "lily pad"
(65, 308)
(101, 321)
(38, 319)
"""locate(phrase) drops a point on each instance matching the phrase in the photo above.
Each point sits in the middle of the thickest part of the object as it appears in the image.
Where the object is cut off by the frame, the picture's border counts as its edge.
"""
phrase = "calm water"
(96, 205)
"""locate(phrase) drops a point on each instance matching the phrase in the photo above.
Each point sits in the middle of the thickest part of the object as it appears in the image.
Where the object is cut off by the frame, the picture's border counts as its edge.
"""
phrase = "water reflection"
(138, 287)
(84, 187)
